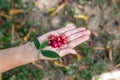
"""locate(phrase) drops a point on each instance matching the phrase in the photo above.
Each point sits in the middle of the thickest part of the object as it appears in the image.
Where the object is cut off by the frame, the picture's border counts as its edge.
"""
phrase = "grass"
(96, 60)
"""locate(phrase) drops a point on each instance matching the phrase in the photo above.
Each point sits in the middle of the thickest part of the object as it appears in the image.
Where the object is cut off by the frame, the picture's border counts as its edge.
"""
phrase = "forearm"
(0, 76)
(17, 56)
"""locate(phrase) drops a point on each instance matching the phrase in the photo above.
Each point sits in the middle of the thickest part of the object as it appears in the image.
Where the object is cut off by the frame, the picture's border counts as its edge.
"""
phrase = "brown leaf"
(117, 65)
(98, 48)
(59, 8)
(37, 65)
(71, 77)
(26, 37)
(78, 56)
(16, 11)
(119, 27)
(6, 16)
(83, 17)
(83, 67)
(111, 1)
(58, 64)
(94, 33)
(110, 55)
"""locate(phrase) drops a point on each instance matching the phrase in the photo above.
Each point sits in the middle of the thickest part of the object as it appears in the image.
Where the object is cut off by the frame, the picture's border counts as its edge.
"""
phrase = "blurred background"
(22, 20)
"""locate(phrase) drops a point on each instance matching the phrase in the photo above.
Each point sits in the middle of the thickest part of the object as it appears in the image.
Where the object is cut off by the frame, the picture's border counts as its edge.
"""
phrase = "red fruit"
(51, 37)
(59, 44)
(63, 37)
(53, 41)
(58, 38)
(64, 41)
(54, 45)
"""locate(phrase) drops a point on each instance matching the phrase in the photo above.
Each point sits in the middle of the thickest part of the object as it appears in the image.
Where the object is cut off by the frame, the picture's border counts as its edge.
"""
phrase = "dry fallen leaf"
(94, 33)
(83, 67)
(4, 15)
(119, 27)
(26, 38)
(16, 11)
(78, 56)
(110, 55)
(37, 65)
(117, 65)
(85, 18)
(59, 8)
(71, 77)
(112, 1)
(58, 64)
(98, 48)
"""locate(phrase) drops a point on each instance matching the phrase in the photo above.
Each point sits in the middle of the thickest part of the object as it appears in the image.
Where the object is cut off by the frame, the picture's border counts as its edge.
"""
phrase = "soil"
(101, 18)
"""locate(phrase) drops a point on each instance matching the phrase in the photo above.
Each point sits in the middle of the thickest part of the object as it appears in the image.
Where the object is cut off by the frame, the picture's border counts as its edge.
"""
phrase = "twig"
(12, 33)
(37, 65)
(59, 8)
(117, 65)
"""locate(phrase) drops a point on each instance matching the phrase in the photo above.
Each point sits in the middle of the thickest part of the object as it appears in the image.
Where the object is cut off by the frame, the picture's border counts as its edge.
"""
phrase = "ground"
(98, 55)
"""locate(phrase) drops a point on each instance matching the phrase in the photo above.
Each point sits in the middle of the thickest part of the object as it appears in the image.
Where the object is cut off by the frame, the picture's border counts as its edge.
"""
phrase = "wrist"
(35, 51)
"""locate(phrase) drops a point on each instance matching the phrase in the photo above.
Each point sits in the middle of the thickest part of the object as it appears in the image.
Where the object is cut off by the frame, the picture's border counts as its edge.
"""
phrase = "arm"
(17, 56)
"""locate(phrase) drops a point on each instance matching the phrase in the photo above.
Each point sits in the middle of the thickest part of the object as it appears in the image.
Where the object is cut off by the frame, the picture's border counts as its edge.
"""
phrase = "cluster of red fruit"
(57, 41)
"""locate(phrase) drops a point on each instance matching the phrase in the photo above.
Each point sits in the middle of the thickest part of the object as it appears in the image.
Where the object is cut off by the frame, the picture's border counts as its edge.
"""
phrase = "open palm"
(74, 35)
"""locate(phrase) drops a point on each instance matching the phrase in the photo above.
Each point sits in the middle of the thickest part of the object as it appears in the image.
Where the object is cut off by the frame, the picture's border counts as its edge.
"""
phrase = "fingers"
(77, 35)
(68, 33)
(64, 29)
(66, 51)
(77, 41)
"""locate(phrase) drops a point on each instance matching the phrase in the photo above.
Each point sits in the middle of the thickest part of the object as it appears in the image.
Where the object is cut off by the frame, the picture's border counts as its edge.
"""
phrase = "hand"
(74, 35)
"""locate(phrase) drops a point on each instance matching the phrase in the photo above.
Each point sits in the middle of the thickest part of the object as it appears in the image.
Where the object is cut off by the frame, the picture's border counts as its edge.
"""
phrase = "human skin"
(27, 53)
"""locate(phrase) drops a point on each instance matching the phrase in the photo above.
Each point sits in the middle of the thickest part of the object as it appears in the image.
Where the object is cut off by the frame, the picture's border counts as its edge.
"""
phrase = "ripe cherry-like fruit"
(54, 45)
(58, 38)
(64, 41)
(57, 41)
(59, 44)
(63, 36)
(52, 37)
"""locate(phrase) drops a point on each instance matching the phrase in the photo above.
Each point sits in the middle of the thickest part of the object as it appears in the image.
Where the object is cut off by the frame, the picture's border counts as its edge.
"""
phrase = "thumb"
(66, 51)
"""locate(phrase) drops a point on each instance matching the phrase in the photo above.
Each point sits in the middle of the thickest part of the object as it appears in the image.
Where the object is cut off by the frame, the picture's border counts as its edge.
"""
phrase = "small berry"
(64, 41)
(52, 37)
(53, 41)
(59, 44)
(58, 38)
(54, 45)
(57, 41)
(63, 36)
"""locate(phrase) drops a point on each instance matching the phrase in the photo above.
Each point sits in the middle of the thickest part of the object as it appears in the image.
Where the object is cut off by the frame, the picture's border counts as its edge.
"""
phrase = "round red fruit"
(64, 41)
(63, 36)
(59, 44)
(54, 45)
(51, 37)
(58, 38)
